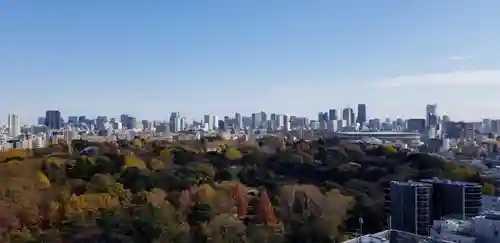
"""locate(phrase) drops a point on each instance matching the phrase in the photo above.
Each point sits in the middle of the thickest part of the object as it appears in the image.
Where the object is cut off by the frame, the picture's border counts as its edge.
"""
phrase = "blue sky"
(149, 58)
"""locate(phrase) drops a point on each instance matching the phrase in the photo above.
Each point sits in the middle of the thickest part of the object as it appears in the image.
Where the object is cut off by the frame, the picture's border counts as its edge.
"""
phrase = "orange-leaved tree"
(241, 198)
(185, 202)
(265, 209)
(204, 192)
(12, 154)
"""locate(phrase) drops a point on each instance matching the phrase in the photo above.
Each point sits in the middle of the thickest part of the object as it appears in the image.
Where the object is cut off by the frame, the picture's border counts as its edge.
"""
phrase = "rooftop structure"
(490, 203)
(449, 182)
(394, 236)
(480, 229)
(406, 137)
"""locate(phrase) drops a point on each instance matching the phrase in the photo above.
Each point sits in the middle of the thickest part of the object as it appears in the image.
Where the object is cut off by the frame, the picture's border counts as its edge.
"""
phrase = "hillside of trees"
(157, 191)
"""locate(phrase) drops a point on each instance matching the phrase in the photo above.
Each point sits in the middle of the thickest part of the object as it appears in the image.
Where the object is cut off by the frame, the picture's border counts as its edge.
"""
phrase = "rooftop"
(450, 182)
(491, 215)
(411, 183)
(379, 133)
(458, 227)
(394, 236)
(490, 203)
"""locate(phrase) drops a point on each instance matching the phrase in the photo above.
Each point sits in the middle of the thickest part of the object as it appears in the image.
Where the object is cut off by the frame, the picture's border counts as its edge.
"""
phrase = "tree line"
(159, 191)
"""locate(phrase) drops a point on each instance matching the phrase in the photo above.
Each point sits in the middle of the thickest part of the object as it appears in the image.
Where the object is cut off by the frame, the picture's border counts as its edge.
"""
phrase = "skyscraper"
(332, 115)
(13, 125)
(256, 120)
(286, 123)
(323, 117)
(239, 120)
(361, 114)
(53, 119)
(175, 121)
(215, 122)
(207, 119)
(431, 115)
(347, 115)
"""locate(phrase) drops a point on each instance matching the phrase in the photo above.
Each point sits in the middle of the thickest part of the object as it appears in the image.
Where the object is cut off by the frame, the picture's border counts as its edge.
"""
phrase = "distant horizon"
(296, 57)
(200, 117)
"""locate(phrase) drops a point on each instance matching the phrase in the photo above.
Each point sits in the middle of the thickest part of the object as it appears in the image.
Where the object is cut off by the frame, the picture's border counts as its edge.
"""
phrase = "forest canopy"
(158, 191)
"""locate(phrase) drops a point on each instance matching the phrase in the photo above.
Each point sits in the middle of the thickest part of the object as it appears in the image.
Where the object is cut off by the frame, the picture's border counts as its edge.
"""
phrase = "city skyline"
(219, 58)
(339, 114)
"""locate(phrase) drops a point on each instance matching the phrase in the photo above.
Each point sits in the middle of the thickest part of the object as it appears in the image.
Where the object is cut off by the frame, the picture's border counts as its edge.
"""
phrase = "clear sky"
(148, 58)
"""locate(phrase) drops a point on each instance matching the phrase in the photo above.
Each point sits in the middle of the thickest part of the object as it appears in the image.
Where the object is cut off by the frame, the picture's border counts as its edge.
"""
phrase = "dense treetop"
(157, 191)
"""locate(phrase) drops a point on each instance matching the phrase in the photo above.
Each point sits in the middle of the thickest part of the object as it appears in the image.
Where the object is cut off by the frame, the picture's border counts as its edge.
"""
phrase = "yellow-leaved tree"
(391, 149)
(204, 192)
(488, 189)
(90, 203)
(133, 161)
(232, 154)
(156, 164)
(137, 143)
(166, 156)
(455, 171)
(43, 181)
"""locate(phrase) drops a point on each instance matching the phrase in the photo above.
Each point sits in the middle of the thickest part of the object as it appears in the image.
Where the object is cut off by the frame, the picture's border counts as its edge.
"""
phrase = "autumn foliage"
(241, 198)
(13, 154)
(266, 211)
(148, 190)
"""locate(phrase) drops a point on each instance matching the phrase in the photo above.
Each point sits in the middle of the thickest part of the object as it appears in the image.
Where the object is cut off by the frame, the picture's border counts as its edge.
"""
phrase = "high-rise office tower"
(332, 115)
(174, 121)
(53, 119)
(146, 125)
(222, 125)
(325, 116)
(73, 120)
(100, 122)
(123, 118)
(320, 116)
(280, 123)
(256, 120)
(182, 123)
(263, 118)
(361, 114)
(446, 119)
(215, 122)
(410, 206)
(323, 120)
(286, 123)
(431, 115)
(207, 119)
(132, 122)
(347, 115)
(82, 119)
(415, 125)
(13, 125)
(239, 121)
(41, 121)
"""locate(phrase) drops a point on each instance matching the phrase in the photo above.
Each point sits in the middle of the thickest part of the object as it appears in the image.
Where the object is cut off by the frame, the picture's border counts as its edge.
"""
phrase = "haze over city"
(298, 57)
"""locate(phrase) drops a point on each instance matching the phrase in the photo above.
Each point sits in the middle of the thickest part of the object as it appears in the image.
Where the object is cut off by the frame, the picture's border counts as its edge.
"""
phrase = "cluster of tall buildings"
(432, 125)
(330, 120)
